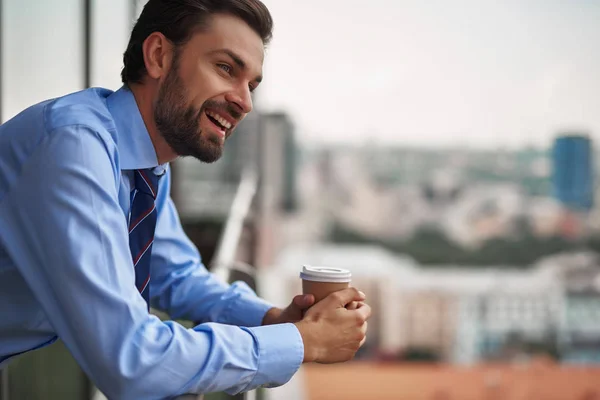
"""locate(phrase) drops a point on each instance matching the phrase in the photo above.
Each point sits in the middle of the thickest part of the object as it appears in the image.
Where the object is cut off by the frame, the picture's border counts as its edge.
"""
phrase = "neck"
(144, 95)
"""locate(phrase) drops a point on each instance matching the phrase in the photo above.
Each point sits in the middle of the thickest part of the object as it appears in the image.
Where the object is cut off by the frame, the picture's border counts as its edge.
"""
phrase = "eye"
(226, 68)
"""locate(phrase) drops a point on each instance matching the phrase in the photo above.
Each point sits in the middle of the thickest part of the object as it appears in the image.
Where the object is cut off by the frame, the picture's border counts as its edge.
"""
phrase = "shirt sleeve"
(182, 286)
(66, 233)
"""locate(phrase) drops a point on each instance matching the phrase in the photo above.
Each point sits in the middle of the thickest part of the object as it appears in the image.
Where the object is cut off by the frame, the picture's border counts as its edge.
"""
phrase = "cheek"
(207, 84)
(201, 80)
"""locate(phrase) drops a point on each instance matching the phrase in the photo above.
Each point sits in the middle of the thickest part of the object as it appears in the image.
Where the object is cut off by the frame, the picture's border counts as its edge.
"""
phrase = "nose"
(242, 98)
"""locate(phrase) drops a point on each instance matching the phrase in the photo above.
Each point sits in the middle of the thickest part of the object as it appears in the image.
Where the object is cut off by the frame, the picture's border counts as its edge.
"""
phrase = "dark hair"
(178, 20)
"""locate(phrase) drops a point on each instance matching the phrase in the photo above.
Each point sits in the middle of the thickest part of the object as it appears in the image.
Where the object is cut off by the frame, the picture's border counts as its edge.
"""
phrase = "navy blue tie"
(142, 221)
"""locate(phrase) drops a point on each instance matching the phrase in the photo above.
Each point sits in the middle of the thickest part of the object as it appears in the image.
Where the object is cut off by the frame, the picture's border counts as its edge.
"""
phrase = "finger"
(343, 297)
(353, 306)
(365, 311)
(363, 329)
(303, 301)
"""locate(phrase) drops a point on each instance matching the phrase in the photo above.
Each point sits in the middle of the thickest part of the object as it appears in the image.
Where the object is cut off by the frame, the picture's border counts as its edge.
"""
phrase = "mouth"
(220, 122)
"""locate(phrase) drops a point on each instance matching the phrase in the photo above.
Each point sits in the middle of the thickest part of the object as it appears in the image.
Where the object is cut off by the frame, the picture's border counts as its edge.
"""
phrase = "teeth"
(221, 120)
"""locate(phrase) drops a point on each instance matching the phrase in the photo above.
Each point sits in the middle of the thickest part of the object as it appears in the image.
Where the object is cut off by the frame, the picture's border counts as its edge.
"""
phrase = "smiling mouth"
(218, 120)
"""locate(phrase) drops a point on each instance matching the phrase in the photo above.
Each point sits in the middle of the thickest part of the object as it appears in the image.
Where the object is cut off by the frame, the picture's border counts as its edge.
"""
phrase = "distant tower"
(573, 171)
(279, 159)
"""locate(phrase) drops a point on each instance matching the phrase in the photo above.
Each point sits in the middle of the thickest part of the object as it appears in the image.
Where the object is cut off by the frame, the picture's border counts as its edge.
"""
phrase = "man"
(85, 215)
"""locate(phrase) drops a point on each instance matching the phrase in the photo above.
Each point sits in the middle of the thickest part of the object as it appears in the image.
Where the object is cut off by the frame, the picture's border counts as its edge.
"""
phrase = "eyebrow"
(236, 59)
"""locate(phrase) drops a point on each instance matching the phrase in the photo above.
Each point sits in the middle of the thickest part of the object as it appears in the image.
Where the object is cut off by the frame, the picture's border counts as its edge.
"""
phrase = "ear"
(157, 51)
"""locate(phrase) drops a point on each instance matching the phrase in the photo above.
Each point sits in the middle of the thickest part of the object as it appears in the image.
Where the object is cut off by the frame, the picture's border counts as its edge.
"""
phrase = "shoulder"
(76, 129)
(85, 108)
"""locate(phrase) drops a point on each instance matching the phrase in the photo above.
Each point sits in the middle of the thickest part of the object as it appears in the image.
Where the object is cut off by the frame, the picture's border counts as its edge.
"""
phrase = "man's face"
(206, 92)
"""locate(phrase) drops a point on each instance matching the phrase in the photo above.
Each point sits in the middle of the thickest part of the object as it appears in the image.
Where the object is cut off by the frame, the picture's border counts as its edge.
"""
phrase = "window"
(111, 25)
(42, 51)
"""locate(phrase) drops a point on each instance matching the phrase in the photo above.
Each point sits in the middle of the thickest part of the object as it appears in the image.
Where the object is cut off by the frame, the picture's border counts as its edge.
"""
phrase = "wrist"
(310, 352)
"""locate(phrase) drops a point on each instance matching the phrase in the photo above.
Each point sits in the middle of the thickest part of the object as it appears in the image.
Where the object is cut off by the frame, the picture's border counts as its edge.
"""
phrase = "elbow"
(134, 375)
(125, 387)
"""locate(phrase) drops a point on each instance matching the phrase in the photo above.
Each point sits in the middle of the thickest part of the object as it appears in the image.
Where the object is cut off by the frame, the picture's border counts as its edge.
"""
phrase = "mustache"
(224, 107)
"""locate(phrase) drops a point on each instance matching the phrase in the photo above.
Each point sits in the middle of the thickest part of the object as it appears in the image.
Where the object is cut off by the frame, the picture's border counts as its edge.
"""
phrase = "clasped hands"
(332, 330)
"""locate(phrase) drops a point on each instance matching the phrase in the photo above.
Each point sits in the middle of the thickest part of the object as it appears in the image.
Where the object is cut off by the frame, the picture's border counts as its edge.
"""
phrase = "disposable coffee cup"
(322, 281)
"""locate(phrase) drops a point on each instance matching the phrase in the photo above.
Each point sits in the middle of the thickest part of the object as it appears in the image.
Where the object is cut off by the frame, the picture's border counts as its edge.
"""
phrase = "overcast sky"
(435, 73)
(476, 73)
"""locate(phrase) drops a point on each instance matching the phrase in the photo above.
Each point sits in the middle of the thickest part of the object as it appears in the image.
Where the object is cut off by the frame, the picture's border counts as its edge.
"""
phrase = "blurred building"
(280, 135)
(462, 315)
(428, 321)
(573, 171)
(471, 197)
(580, 314)
(278, 161)
(479, 309)
(277, 196)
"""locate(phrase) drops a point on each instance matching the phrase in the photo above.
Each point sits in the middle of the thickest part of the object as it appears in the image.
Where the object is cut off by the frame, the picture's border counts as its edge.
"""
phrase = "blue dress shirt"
(66, 270)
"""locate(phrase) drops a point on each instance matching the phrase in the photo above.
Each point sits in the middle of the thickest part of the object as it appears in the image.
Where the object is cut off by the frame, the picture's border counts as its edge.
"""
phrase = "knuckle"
(314, 315)
(360, 319)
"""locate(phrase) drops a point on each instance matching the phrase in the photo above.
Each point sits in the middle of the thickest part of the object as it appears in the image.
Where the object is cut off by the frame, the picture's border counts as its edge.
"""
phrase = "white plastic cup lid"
(325, 274)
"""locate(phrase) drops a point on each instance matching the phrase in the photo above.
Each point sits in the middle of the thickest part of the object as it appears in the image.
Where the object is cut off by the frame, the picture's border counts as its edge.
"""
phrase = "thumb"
(303, 301)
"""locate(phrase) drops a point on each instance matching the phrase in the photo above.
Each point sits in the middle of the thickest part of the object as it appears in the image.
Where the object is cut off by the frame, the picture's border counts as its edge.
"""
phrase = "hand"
(354, 305)
(292, 313)
(330, 332)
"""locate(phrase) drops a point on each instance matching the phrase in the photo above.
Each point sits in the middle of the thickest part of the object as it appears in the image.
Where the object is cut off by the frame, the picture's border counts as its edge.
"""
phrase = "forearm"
(208, 358)
(184, 288)
(201, 297)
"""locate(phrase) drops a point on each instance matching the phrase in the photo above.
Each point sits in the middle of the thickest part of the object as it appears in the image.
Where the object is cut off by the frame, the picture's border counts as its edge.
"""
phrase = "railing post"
(224, 264)
(224, 257)
(4, 383)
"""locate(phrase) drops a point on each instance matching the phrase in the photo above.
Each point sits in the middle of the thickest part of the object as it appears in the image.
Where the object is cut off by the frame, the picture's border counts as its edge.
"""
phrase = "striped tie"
(142, 222)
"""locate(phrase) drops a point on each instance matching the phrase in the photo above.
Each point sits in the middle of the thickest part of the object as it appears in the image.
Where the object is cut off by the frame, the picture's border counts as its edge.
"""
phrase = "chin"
(208, 152)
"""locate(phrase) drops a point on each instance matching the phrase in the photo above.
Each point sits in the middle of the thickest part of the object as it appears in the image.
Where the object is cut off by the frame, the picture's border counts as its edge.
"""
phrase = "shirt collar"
(136, 150)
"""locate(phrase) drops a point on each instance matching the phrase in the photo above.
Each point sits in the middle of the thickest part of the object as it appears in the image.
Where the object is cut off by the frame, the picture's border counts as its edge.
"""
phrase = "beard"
(179, 123)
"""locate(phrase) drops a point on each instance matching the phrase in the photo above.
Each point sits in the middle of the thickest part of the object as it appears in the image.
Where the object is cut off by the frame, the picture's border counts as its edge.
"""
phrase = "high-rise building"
(573, 171)
(279, 159)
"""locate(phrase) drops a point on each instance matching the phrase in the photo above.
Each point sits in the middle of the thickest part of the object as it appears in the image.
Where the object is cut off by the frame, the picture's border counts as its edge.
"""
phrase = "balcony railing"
(4, 384)
(225, 264)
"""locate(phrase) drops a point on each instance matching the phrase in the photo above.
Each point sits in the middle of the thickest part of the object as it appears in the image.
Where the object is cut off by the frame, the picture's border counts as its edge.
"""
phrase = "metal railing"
(4, 384)
(224, 264)
(224, 261)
